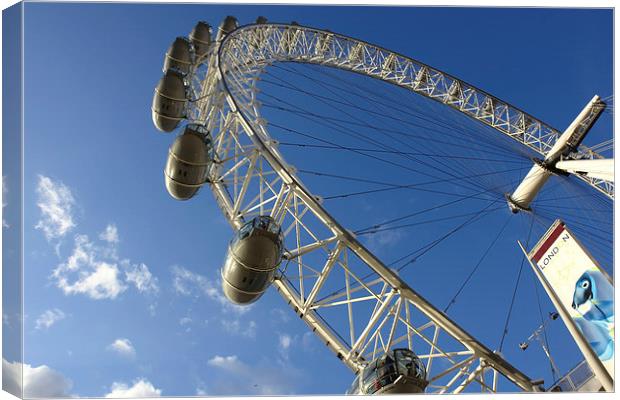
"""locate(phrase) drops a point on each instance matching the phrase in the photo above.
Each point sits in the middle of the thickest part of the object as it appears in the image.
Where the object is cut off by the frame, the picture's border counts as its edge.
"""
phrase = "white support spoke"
(473, 376)
(331, 260)
(301, 250)
(259, 200)
(298, 216)
(279, 209)
(429, 364)
(452, 381)
(235, 167)
(394, 323)
(349, 305)
(246, 182)
(349, 292)
(259, 206)
(348, 301)
(384, 304)
(306, 266)
(449, 353)
(461, 366)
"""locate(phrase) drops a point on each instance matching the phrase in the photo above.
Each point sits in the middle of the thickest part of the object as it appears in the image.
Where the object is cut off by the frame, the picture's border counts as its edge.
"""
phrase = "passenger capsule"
(253, 256)
(396, 372)
(179, 56)
(261, 20)
(189, 158)
(228, 25)
(201, 38)
(169, 101)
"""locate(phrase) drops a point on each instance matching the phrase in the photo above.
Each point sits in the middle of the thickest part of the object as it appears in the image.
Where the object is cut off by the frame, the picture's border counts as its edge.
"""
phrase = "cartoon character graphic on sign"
(593, 299)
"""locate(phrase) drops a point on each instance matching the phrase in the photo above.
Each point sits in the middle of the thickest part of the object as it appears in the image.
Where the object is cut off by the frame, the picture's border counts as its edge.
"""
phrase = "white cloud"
(236, 327)
(55, 202)
(49, 318)
(110, 234)
(140, 388)
(85, 273)
(186, 322)
(280, 315)
(140, 276)
(95, 271)
(236, 377)
(41, 381)
(383, 240)
(188, 283)
(90, 270)
(153, 309)
(230, 363)
(123, 347)
(285, 341)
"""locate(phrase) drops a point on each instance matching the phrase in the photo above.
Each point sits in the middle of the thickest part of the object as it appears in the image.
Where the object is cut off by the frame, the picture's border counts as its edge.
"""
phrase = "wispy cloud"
(186, 322)
(383, 240)
(188, 283)
(280, 315)
(122, 347)
(49, 318)
(236, 377)
(285, 341)
(41, 381)
(140, 276)
(56, 204)
(140, 388)
(237, 327)
(110, 234)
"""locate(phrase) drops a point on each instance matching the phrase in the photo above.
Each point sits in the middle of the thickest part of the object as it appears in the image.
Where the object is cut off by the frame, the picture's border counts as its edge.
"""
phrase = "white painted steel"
(536, 178)
(250, 177)
(529, 188)
(600, 169)
(576, 129)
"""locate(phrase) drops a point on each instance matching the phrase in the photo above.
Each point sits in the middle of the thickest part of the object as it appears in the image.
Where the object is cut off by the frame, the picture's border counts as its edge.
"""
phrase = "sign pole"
(591, 358)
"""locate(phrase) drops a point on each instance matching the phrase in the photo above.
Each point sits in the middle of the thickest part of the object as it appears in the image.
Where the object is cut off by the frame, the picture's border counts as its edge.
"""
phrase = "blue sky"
(146, 315)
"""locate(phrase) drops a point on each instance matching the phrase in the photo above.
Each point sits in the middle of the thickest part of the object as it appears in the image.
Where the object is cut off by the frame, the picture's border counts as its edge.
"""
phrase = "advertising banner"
(584, 290)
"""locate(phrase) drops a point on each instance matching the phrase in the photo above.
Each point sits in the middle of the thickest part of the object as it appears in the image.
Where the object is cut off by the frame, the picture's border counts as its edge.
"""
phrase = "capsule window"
(245, 231)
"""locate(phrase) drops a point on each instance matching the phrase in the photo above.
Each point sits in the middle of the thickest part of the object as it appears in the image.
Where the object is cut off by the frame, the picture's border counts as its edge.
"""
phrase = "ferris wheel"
(285, 237)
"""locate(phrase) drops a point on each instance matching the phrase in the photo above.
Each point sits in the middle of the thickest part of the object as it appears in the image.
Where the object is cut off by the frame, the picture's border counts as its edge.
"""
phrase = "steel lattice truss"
(355, 304)
(266, 44)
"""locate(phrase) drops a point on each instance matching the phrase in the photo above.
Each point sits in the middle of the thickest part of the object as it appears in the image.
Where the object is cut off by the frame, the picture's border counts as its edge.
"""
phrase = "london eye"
(395, 151)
